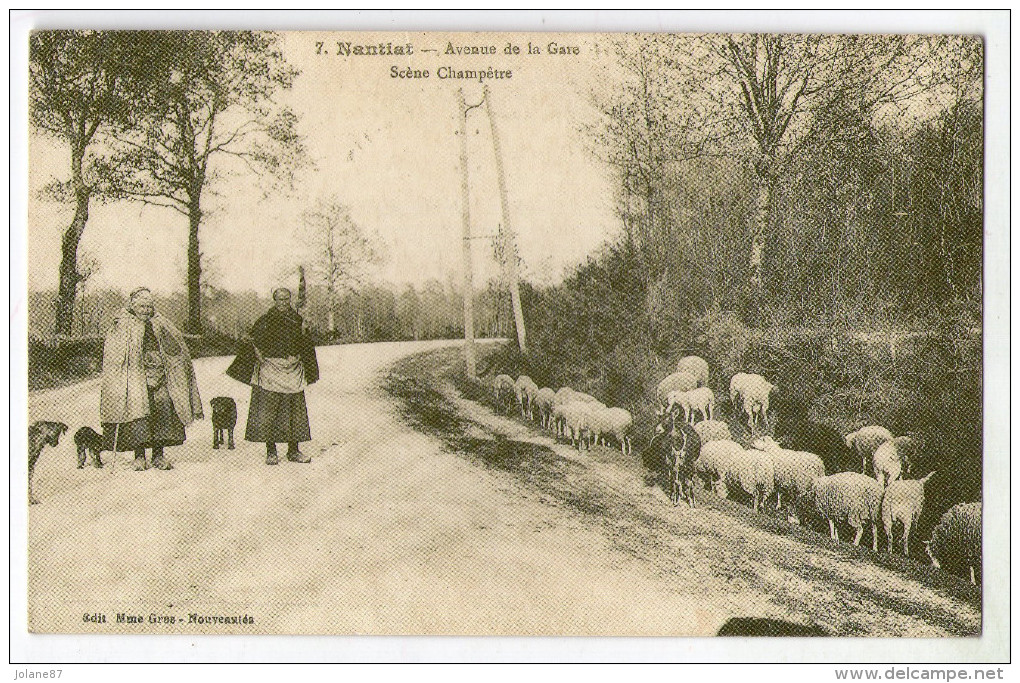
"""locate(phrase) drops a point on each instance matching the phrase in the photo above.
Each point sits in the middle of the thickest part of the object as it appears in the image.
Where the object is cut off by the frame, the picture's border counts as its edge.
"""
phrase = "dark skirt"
(277, 418)
(161, 427)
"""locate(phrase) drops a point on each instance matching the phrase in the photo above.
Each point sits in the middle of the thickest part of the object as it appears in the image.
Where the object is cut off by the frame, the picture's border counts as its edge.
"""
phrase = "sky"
(387, 148)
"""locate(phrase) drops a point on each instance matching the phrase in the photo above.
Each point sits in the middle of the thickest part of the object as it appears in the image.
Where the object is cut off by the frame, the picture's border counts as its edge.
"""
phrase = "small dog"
(88, 441)
(224, 419)
(40, 434)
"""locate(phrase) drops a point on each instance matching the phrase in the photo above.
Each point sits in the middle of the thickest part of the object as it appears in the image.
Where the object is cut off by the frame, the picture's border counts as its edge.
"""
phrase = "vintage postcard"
(507, 334)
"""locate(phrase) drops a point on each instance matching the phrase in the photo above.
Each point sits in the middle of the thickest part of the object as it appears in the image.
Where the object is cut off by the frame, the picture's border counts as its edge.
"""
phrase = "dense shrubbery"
(870, 220)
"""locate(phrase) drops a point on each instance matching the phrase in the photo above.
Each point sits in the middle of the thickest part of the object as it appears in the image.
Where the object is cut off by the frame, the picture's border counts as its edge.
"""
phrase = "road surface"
(387, 532)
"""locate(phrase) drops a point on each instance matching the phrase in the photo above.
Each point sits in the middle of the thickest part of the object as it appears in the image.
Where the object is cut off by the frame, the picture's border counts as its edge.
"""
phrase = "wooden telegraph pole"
(506, 231)
(469, 292)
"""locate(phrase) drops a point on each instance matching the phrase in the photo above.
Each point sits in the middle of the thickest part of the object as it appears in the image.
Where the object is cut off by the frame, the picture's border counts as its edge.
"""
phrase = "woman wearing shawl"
(149, 393)
(279, 363)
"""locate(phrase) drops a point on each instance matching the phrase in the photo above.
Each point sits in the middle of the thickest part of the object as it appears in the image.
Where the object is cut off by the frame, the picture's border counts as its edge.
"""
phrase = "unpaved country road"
(386, 532)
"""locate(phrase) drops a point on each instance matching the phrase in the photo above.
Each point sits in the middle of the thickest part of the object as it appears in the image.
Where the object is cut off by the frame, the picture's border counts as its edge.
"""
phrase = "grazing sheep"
(848, 497)
(715, 456)
(576, 418)
(678, 381)
(586, 398)
(503, 389)
(684, 451)
(794, 471)
(956, 539)
(525, 390)
(754, 391)
(865, 441)
(621, 422)
(713, 430)
(902, 502)
(701, 399)
(800, 434)
(562, 397)
(544, 403)
(736, 384)
(752, 472)
(892, 459)
(694, 365)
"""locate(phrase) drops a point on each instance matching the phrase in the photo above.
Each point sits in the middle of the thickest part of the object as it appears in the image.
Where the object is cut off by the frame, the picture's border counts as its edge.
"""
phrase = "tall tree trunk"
(194, 268)
(759, 234)
(68, 284)
(331, 315)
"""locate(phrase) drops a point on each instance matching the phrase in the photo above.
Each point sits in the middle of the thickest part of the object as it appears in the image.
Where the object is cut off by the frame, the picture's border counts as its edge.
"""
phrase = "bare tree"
(212, 112)
(81, 88)
(340, 251)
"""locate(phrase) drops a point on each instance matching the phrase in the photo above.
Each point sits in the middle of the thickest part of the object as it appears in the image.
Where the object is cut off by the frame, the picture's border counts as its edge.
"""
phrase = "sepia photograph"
(510, 333)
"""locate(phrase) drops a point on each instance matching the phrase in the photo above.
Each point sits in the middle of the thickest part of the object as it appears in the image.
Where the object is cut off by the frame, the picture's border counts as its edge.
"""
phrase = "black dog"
(224, 418)
(88, 441)
(40, 434)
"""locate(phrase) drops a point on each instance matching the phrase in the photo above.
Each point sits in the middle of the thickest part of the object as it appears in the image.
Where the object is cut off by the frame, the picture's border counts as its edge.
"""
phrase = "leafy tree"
(81, 88)
(340, 251)
(212, 112)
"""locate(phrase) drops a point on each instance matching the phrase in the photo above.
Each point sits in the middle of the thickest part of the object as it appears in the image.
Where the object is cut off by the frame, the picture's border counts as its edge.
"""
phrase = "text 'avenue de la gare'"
(343, 48)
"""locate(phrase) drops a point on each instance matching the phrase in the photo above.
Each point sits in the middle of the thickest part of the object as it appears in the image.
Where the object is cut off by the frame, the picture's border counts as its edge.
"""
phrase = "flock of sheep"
(858, 479)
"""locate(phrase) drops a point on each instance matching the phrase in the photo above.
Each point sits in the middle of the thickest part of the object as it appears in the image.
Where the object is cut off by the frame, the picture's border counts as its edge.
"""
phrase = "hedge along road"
(387, 531)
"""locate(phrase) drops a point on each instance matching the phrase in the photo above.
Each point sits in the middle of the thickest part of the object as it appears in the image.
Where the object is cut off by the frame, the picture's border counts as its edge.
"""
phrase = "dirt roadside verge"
(739, 563)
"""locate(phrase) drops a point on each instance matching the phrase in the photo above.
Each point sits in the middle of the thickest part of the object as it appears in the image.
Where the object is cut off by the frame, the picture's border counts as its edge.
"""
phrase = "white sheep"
(576, 417)
(957, 538)
(865, 441)
(678, 381)
(525, 390)
(715, 456)
(751, 471)
(754, 392)
(503, 388)
(902, 502)
(736, 384)
(892, 459)
(562, 397)
(544, 403)
(585, 398)
(713, 430)
(695, 365)
(701, 399)
(848, 497)
(795, 471)
(604, 422)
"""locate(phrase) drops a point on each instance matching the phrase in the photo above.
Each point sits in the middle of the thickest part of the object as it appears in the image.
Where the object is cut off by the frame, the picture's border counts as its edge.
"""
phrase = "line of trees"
(433, 310)
(158, 117)
(825, 169)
